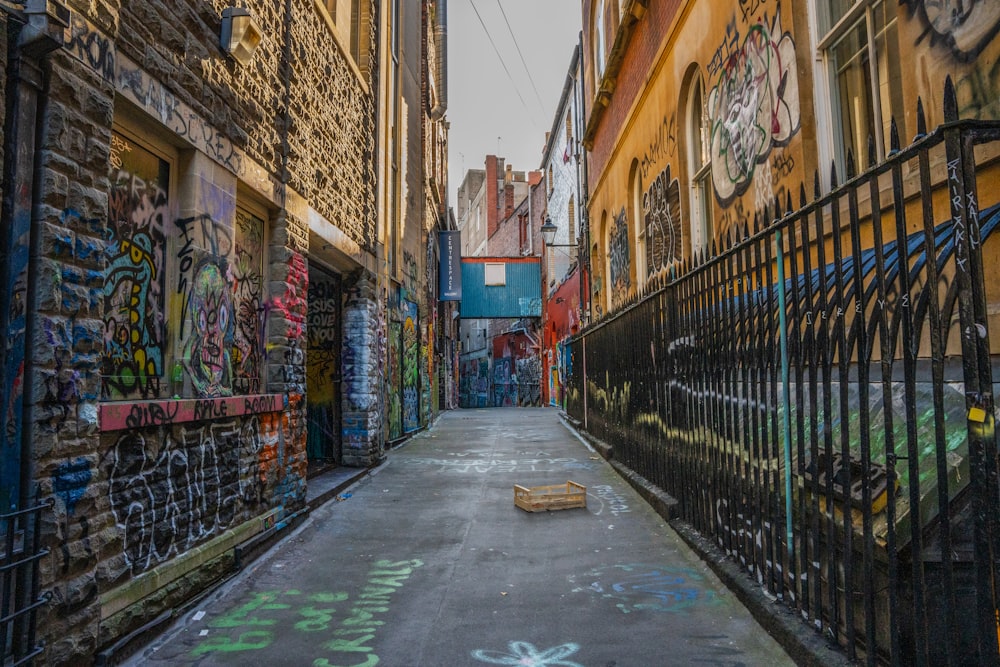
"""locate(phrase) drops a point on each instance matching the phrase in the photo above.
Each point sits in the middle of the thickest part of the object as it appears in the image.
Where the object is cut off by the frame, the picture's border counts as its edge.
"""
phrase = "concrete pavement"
(429, 563)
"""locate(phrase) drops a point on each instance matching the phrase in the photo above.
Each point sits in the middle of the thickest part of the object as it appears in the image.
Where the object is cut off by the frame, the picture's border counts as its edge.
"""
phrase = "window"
(495, 274)
(699, 167)
(861, 46)
(597, 31)
(183, 296)
(331, 9)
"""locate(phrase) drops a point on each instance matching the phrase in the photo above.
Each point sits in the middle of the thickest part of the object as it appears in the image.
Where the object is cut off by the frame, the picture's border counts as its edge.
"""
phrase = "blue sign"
(450, 273)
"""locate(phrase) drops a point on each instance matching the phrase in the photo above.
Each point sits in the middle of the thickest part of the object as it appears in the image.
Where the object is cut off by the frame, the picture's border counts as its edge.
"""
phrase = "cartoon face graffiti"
(207, 352)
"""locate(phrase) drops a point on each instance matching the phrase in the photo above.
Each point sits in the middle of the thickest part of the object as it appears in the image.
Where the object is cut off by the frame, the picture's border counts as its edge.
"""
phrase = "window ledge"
(123, 415)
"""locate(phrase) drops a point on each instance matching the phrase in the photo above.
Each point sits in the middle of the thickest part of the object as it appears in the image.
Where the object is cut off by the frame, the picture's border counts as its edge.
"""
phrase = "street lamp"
(549, 234)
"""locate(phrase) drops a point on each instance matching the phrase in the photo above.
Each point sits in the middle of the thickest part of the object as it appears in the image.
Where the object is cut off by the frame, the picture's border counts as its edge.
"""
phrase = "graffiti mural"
(661, 211)
(394, 380)
(133, 281)
(963, 26)
(619, 256)
(170, 489)
(411, 367)
(247, 352)
(210, 337)
(529, 380)
(505, 389)
(323, 331)
(754, 105)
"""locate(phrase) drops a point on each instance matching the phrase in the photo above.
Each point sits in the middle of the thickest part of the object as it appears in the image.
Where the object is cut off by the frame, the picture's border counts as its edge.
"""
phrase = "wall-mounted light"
(240, 35)
(549, 234)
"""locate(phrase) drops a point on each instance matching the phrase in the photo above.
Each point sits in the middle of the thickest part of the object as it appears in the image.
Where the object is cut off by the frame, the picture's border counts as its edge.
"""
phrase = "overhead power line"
(503, 64)
(517, 46)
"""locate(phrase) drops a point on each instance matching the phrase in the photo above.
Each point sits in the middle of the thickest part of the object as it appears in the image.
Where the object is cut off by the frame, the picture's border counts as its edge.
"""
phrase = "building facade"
(197, 299)
(792, 224)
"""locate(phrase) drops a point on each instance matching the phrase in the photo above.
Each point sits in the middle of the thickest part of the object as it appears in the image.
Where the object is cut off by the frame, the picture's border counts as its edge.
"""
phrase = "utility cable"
(541, 105)
(531, 118)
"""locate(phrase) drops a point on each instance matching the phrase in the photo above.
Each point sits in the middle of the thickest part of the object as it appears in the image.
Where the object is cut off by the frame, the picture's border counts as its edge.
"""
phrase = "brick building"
(198, 256)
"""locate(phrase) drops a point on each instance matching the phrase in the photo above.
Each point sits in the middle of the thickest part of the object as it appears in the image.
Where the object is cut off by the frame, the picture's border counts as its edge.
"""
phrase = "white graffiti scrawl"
(754, 105)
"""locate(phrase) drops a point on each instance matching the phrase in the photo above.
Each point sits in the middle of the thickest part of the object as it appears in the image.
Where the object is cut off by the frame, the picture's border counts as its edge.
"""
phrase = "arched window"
(636, 217)
(699, 148)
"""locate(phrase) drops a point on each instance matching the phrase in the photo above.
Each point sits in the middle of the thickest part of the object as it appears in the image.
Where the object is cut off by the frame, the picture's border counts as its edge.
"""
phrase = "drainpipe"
(441, 61)
(33, 34)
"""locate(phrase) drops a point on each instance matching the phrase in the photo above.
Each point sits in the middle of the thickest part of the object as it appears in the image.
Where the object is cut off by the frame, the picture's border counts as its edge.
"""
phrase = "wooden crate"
(552, 497)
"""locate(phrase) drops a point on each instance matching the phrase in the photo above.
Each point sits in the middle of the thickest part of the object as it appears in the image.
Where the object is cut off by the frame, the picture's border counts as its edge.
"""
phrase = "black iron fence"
(20, 533)
(818, 396)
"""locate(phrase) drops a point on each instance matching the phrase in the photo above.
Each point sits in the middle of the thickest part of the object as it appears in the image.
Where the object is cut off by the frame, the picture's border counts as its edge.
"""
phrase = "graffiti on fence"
(638, 587)
(754, 105)
(661, 209)
(411, 367)
(965, 27)
(133, 293)
(619, 256)
(247, 354)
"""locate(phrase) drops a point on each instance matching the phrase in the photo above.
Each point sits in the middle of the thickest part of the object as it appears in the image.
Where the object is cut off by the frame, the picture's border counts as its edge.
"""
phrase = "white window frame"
(831, 145)
(701, 191)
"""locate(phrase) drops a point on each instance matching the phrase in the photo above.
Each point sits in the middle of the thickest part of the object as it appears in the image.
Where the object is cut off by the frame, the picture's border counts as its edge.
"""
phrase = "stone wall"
(153, 492)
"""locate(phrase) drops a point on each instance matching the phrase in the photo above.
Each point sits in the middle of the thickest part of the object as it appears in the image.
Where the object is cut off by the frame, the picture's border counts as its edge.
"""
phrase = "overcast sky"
(493, 112)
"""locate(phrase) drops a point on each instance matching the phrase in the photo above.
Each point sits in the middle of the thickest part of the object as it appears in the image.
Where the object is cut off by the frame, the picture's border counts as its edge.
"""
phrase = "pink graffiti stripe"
(145, 414)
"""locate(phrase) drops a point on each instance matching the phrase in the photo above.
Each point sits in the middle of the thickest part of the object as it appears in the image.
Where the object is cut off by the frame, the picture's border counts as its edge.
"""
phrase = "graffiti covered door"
(323, 375)
(411, 366)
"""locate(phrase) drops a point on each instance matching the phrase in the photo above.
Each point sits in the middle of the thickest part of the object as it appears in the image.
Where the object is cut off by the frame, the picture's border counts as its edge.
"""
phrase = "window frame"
(834, 145)
(701, 192)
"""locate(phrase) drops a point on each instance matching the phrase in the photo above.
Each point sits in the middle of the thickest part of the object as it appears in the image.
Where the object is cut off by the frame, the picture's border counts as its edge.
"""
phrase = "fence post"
(976, 371)
(786, 398)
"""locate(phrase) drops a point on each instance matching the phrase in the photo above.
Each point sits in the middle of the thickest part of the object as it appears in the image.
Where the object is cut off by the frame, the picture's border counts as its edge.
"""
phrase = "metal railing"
(20, 532)
(818, 397)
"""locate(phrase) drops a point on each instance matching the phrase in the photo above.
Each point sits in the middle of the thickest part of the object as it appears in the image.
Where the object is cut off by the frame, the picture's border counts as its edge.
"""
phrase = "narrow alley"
(426, 561)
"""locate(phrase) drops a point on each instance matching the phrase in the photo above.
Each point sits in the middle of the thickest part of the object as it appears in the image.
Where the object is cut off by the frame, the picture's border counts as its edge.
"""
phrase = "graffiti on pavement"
(638, 587)
(527, 655)
(610, 499)
(347, 628)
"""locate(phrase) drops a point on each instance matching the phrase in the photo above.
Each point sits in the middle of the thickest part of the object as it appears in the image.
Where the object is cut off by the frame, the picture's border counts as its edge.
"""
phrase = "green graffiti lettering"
(241, 615)
(353, 631)
(389, 565)
(326, 598)
(350, 646)
(395, 582)
(360, 617)
(248, 641)
(376, 591)
(370, 661)
(315, 619)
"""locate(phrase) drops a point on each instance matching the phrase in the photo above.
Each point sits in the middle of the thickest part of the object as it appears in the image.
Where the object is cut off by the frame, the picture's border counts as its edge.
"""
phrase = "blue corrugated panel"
(520, 297)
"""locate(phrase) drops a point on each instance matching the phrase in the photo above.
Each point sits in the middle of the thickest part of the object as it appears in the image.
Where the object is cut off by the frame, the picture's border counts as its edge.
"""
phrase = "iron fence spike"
(921, 120)
(950, 101)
